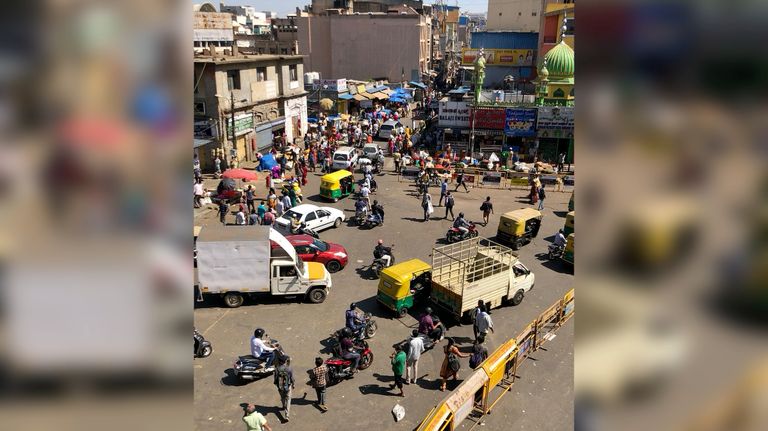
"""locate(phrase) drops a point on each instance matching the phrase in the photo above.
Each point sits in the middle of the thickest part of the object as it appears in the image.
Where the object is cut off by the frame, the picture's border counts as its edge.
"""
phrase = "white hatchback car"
(316, 218)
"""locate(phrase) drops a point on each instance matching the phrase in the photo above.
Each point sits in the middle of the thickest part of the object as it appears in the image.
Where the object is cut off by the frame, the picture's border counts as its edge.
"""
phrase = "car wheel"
(402, 312)
(333, 266)
(337, 223)
(233, 299)
(317, 295)
(518, 298)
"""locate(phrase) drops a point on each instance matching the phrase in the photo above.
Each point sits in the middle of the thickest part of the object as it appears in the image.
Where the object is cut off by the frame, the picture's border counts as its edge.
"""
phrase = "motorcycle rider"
(461, 224)
(559, 239)
(382, 252)
(428, 327)
(353, 320)
(361, 206)
(260, 350)
(349, 349)
(378, 211)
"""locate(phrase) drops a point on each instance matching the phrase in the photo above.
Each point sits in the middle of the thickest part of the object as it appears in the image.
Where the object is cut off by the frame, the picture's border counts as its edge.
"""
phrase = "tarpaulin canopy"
(267, 162)
(346, 96)
(418, 84)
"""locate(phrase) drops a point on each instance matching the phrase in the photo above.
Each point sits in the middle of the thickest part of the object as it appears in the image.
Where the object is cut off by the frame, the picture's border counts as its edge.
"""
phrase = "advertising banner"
(520, 122)
(488, 119)
(453, 114)
(555, 118)
(499, 57)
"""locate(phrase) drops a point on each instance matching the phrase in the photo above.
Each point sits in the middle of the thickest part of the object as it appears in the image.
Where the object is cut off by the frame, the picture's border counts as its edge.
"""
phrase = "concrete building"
(285, 29)
(249, 19)
(211, 30)
(319, 7)
(263, 93)
(514, 15)
(507, 53)
(394, 46)
(553, 16)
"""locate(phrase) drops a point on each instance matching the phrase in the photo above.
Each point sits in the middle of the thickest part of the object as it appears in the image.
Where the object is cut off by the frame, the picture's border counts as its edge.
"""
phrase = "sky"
(283, 7)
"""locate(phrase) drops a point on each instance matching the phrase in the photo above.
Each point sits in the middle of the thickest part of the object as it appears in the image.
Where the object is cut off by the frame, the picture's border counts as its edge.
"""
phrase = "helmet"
(428, 310)
(258, 333)
(346, 332)
(352, 306)
(461, 215)
(381, 241)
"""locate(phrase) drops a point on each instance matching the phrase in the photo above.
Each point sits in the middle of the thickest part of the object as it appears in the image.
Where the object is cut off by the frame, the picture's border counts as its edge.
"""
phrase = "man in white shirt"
(415, 350)
(364, 192)
(260, 350)
(484, 323)
(199, 191)
(240, 218)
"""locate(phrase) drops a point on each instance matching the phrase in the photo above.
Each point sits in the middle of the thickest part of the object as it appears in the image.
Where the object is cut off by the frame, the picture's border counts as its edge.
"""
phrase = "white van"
(344, 158)
(386, 129)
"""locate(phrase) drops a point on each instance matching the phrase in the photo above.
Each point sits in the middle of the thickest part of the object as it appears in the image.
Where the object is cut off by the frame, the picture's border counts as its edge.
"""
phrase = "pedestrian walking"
(217, 166)
(460, 181)
(415, 349)
(449, 202)
(396, 156)
(560, 162)
(319, 374)
(285, 385)
(475, 314)
(542, 195)
(254, 421)
(249, 199)
(479, 353)
(398, 367)
(451, 365)
(487, 209)
(198, 191)
(223, 210)
(484, 324)
(260, 211)
(287, 202)
(443, 191)
(269, 218)
(426, 204)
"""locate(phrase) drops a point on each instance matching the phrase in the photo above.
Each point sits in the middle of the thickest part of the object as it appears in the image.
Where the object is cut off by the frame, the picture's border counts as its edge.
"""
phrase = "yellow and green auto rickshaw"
(337, 185)
(568, 228)
(403, 284)
(568, 252)
(571, 205)
(518, 227)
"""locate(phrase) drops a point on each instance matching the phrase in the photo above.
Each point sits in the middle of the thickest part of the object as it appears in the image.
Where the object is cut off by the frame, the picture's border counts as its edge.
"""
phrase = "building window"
(534, 13)
(199, 108)
(572, 93)
(261, 74)
(558, 93)
(284, 51)
(293, 71)
(233, 79)
(570, 27)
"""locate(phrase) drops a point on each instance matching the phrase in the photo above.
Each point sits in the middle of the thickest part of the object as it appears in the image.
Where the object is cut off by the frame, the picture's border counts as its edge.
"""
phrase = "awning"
(418, 84)
(200, 142)
(346, 96)
(380, 96)
(360, 97)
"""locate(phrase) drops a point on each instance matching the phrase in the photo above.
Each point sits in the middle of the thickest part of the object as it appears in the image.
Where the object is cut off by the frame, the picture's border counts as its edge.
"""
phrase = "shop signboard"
(488, 119)
(499, 57)
(453, 114)
(243, 124)
(520, 122)
(555, 118)
(331, 84)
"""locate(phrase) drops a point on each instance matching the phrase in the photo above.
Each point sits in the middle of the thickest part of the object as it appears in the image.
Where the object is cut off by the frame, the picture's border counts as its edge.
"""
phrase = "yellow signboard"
(499, 57)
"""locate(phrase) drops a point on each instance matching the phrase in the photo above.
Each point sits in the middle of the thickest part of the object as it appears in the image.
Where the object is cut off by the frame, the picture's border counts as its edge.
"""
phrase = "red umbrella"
(241, 174)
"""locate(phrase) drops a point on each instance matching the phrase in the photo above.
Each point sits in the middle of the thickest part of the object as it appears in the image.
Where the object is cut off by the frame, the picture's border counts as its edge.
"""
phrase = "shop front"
(488, 127)
(295, 118)
(520, 132)
(555, 133)
(454, 119)
(243, 126)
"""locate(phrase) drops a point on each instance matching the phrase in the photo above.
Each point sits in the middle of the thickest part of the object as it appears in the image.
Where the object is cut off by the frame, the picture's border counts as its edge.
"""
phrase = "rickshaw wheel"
(335, 200)
(402, 312)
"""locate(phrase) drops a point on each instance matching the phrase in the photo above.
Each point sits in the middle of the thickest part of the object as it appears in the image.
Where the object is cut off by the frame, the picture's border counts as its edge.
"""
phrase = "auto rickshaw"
(402, 284)
(568, 252)
(571, 205)
(568, 227)
(519, 227)
(337, 185)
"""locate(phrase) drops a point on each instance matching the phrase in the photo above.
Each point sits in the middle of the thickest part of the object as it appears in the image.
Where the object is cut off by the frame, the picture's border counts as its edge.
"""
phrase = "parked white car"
(389, 127)
(315, 218)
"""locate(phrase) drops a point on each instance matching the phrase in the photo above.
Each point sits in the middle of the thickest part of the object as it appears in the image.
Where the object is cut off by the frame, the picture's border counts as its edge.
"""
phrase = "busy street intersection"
(541, 398)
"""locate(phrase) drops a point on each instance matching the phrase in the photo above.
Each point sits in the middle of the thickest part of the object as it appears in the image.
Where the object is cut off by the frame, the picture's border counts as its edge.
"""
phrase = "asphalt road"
(540, 399)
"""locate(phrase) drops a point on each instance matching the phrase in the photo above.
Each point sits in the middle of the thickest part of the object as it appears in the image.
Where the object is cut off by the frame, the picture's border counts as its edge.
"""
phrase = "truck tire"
(316, 295)
(518, 298)
(233, 299)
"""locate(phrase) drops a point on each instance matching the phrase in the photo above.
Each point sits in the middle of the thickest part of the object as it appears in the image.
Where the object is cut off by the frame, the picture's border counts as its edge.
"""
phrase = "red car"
(309, 249)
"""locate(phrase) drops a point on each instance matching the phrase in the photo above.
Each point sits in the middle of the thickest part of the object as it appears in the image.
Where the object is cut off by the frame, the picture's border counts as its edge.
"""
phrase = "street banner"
(520, 122)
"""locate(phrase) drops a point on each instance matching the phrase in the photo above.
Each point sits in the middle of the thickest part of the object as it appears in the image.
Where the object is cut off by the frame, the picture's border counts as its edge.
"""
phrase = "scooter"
(455, 234)
(248, 367)
(380, 263)
(555, 251)
(203, 348)
(372, 221)
(340, 368)
(360, 217)
(368, 330)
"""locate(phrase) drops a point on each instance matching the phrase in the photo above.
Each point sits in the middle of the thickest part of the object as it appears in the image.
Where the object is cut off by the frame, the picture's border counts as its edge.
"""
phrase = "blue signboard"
(520, 122)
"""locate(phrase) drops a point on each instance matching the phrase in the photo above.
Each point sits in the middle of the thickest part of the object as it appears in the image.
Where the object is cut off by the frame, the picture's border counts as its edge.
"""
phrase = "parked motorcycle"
(203, 347)
(455, 234)
(340, 368)
(555, 251)
(248, 367)
(368, 331)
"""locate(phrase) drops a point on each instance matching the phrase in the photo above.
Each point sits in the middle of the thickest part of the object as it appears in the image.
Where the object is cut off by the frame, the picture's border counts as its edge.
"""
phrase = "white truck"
(238, 261)
(477, 269)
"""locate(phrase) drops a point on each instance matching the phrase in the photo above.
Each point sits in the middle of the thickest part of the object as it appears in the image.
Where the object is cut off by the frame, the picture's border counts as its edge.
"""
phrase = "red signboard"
(488, 119)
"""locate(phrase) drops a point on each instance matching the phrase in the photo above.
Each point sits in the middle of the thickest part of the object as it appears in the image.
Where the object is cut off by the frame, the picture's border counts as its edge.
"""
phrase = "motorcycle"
(380, 263)
(248, 367)
(428, 342)
(203, 348)
(360, 217)
(368, 330)
(555, 251)
(372, 221)
(455, 234)
(340, 368)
